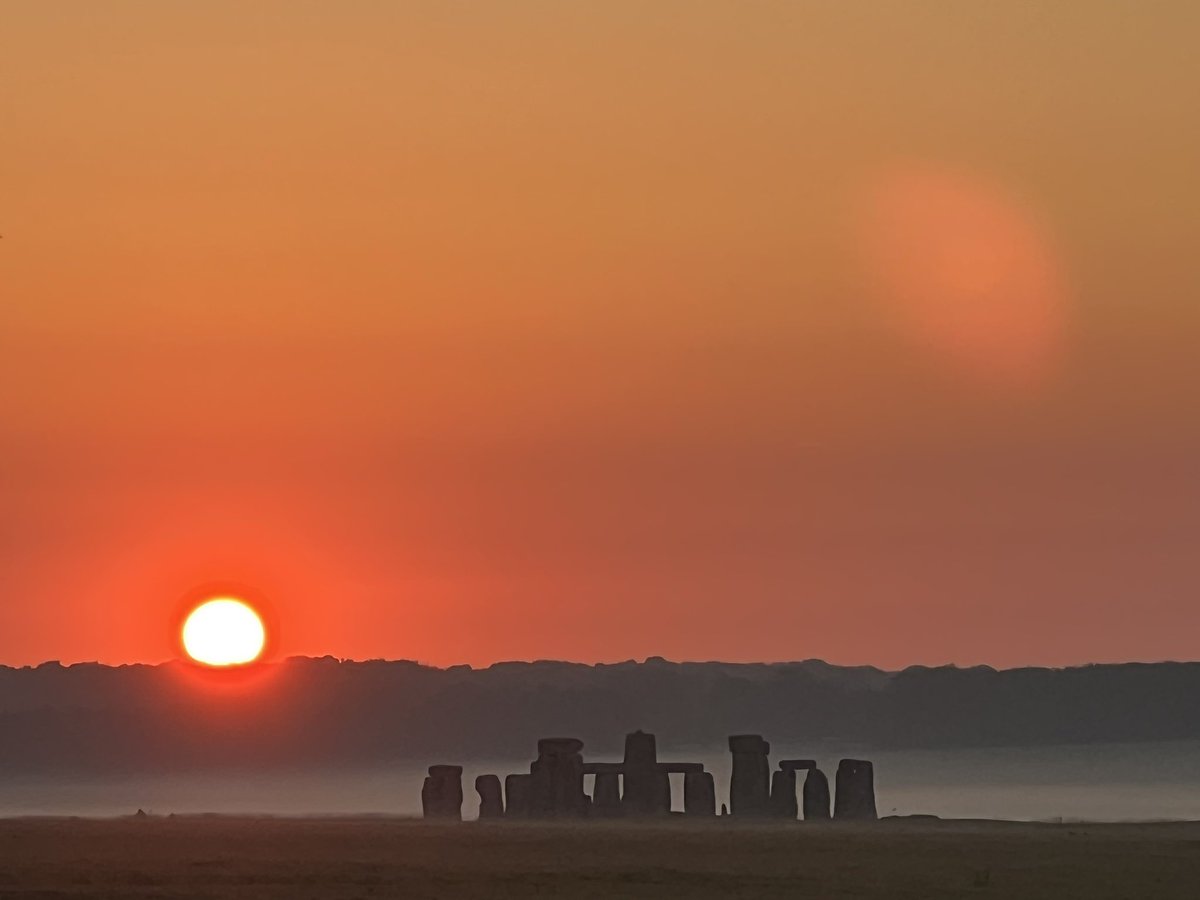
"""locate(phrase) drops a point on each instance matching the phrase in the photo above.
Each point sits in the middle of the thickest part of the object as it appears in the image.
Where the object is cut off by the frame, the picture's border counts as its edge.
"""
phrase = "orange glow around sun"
(224, 631)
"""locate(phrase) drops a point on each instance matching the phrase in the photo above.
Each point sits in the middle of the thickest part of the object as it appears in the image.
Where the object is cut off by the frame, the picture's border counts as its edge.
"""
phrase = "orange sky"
(481, 331)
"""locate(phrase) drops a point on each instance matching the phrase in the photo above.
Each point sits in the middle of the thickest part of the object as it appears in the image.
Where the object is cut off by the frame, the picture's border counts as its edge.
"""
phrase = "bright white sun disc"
(224, 632)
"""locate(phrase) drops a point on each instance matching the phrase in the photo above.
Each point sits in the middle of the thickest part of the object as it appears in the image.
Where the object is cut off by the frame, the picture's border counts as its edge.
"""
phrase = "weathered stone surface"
(699, 794)
(442, 793)
(643, 781)
(749, 785)
(783, 794)
(816, 796)
(556, 785)
(855, 796)
(606, 795)
(491, 800)
(516, 796)
(795, 764)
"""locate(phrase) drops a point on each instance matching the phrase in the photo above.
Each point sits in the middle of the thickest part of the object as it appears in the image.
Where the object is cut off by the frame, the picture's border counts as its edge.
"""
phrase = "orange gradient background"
(480, 331)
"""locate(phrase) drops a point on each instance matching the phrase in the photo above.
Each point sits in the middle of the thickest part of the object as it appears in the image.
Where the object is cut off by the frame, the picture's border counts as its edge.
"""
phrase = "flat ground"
(342, 858)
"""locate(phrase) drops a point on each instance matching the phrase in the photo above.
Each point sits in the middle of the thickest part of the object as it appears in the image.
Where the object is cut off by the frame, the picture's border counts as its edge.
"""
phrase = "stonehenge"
(816, 796)
(516, 796)
(795, 764)
(442, 793)
(699, 794)
(643, 790)
(855, 790)
(783, 787)
(640, 786)
(556, 779)
(750, 783)
(783, 794)
(606, 795)
(491, 800)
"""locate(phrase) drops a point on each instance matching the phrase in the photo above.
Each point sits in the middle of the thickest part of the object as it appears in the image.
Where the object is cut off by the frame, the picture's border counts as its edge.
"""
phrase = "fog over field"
(1102, 782)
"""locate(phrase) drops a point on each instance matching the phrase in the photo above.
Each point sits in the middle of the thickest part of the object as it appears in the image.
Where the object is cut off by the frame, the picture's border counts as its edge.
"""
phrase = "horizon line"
(654, 660)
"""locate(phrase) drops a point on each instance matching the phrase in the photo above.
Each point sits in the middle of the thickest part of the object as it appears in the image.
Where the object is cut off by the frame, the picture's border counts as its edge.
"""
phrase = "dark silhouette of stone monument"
(855, 794)
(783, 787)
(556, 779)
(797, 764)
(606, 795)
(516, 796)
(647, 782)
(750, 783)
(491, 801)
(783, 794)
(699, 794)
(816, 796)
(640, 785)
(442, 793)
(643, 794)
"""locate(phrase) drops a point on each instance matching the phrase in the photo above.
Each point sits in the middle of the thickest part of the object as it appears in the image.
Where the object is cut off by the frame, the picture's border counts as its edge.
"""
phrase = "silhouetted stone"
(783, 794)
(644, 792)
(597, 768)
(516, 796)
(606, 795)
(699, 794)
(795, 764)
(491, 802)
(662, 798)
(816, 796)
(442, 793)
(749, 786)
(855, 796)
(678, 768)
(556, 786)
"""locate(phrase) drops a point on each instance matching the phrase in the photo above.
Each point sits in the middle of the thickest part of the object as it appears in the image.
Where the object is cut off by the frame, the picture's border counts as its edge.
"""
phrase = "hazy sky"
(474, 331)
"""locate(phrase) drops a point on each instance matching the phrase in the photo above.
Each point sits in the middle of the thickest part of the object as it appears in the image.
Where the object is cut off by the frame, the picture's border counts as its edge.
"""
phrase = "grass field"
(344, 858)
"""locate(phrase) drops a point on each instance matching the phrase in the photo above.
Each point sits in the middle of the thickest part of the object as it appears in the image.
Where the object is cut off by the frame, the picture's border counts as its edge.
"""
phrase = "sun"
(224, 631)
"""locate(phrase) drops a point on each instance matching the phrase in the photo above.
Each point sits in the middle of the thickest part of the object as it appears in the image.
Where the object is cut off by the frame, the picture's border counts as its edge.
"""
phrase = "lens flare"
(224, 631)
(968, 271)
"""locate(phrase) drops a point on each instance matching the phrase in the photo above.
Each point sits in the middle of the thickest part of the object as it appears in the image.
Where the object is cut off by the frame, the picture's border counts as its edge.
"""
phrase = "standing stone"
(699, 794)
(749, 786)
(516, 796)
(783, 794)
(491, 802)
(556, 785)
(442, 793)
(816, 797)
(662, 797)
(606, 795)
(643, 782)
(855, 796)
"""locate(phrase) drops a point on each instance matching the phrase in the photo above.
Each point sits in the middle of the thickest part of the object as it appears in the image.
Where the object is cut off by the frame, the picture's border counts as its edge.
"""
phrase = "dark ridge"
(326, 711)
